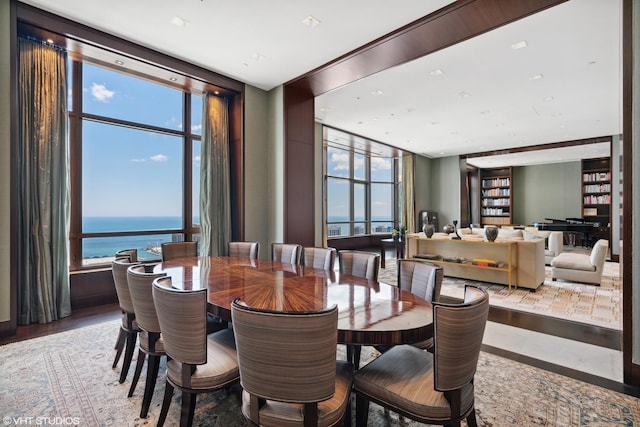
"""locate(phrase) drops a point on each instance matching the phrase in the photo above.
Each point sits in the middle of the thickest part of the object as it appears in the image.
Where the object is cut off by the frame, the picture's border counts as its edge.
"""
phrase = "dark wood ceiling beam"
(453, 24)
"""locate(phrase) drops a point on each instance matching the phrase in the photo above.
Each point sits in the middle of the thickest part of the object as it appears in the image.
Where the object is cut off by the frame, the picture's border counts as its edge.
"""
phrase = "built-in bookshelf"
(495, 196)
(596, 193)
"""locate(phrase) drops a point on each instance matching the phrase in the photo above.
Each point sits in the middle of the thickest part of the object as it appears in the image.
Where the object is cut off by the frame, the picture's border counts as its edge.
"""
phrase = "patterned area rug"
(594, 305)
(67, 379)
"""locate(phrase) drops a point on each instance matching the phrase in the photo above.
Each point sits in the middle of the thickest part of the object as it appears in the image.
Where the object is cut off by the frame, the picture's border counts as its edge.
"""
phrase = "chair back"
(286, 356)
(140, 285)
(321, 258)
(183, 321)
(423, 279)
(130, 254)
(119, 270)
(359, 264)
(599, 253)
(457, 334)
(244, 249)
(173, 250)
(286, 252)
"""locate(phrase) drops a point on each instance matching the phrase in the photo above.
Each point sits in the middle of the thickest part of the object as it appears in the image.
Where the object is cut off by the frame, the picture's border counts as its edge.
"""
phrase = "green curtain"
(215, 201)
(43, 222)
(408, 192)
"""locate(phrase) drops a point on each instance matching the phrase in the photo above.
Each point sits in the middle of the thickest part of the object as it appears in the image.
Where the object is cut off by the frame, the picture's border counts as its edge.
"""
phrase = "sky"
(129, 172)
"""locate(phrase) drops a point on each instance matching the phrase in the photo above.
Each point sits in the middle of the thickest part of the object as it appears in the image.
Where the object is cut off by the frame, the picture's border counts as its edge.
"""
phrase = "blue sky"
(130, 172)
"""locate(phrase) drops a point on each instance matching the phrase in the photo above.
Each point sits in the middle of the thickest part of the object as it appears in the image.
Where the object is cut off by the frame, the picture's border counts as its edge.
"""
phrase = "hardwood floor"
(78, 319)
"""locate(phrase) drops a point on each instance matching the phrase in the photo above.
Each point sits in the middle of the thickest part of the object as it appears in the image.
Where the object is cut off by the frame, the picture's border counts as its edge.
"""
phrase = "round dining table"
(369, 312)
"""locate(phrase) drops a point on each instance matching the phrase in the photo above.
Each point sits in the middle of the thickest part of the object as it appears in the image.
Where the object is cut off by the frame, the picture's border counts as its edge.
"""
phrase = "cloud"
(196, 128)
(138, 160)
(340, 161)
(159, 158)
(196, 159)
(101, 93)
(380, 164)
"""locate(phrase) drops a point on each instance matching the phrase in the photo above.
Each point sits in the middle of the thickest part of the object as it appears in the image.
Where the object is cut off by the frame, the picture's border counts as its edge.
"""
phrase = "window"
(362, 185)
(136, 182)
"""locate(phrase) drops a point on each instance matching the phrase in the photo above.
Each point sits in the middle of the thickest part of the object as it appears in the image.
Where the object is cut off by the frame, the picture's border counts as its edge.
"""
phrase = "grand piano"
(588, 231)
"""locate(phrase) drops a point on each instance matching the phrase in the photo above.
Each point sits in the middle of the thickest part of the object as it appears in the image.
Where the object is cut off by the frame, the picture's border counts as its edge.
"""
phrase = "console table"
(456, 258)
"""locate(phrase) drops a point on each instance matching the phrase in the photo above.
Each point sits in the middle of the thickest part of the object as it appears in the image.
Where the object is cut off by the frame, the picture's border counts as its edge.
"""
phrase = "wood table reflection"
(370, 312)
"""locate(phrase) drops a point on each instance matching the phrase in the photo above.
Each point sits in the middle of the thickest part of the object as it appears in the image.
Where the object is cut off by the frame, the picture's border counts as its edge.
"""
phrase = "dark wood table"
(370, 312)
(398, 244)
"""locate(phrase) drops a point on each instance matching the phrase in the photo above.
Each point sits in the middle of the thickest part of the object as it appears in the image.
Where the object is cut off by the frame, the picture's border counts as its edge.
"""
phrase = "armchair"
(580, 267)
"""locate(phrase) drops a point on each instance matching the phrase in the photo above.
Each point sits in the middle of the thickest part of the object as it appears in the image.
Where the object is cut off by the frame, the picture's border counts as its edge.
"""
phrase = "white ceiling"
(484, 100)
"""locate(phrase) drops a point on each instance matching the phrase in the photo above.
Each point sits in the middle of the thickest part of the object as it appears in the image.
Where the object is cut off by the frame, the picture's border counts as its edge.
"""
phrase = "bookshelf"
(495, 196)
(596, 194)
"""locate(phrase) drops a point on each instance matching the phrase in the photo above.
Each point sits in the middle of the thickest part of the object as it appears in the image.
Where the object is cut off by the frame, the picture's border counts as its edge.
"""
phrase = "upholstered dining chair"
(430, 388)
(297, 382)
(129, 326)
(286, 252)
(130, 254)
(173, 250)
(360, 264)
(321, 258)
(244, 249)
(151, 344)
(196, 362)
(424, 280)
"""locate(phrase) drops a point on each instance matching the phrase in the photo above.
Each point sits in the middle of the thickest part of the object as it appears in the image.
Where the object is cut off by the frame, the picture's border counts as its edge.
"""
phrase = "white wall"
(5, 147)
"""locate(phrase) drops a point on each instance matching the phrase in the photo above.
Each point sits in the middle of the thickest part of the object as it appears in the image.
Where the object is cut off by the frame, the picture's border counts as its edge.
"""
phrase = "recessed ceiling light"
(464, 94)
(411, 110)
(179, 22)
(376, 92)
(536, 77)
(173, 79)
(519, 45)
(592, 62)
(310, 21)
(50, 41)
(548, 98)
(258, 56)
(485, 112)
(324, 109)
(119, 62)
(437, 72)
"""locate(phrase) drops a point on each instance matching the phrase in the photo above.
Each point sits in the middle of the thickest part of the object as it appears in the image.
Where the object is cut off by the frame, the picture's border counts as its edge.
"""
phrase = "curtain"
(43, 223)
(408, 200)
(215, 201)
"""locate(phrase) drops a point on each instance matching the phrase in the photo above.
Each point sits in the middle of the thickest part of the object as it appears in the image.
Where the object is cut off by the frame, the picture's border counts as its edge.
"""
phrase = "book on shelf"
(484, 262)
(428, 256)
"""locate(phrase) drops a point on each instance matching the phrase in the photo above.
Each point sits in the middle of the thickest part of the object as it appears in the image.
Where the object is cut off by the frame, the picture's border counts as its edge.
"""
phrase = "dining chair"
(196, 362)
(431, 388)
(151, 343)
(130, 254)
(296, 382)
(286, 252)
(244, 249)
(423, 279)
(173, 250)
(321, 258)
(129, 326)
(360, 264)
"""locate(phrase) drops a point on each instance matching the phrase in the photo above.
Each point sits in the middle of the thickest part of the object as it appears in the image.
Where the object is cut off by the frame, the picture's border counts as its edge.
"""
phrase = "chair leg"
(353, 355)
(153, 366)
(187, 409)
(122, 336)
(471, 419)
(362, 410)
(128, 354)
(136, 376)
(166, 402)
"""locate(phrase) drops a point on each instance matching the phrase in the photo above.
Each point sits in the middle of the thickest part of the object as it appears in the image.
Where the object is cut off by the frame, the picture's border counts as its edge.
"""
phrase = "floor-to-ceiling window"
(135, 172)
(362, 185)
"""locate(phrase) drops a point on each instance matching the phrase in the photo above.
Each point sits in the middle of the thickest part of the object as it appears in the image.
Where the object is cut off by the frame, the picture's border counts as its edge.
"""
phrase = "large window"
(362, 186)
(134, 164)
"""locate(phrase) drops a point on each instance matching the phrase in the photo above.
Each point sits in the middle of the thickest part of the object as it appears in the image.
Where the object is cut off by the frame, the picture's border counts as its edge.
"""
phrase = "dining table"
(369, 312)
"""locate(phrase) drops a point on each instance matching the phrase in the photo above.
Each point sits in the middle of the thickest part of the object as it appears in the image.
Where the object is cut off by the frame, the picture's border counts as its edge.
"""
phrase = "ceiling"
(564, 85)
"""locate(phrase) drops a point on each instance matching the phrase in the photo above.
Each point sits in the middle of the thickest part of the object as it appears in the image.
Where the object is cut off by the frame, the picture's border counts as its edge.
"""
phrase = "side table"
(398, 244)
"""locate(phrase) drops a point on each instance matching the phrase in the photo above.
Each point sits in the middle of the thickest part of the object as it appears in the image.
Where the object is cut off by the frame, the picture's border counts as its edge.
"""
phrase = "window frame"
(367, 182)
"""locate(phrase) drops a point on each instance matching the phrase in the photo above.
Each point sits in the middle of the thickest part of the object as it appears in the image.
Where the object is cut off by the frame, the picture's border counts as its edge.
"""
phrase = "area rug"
(66, 378)
(578, 302)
